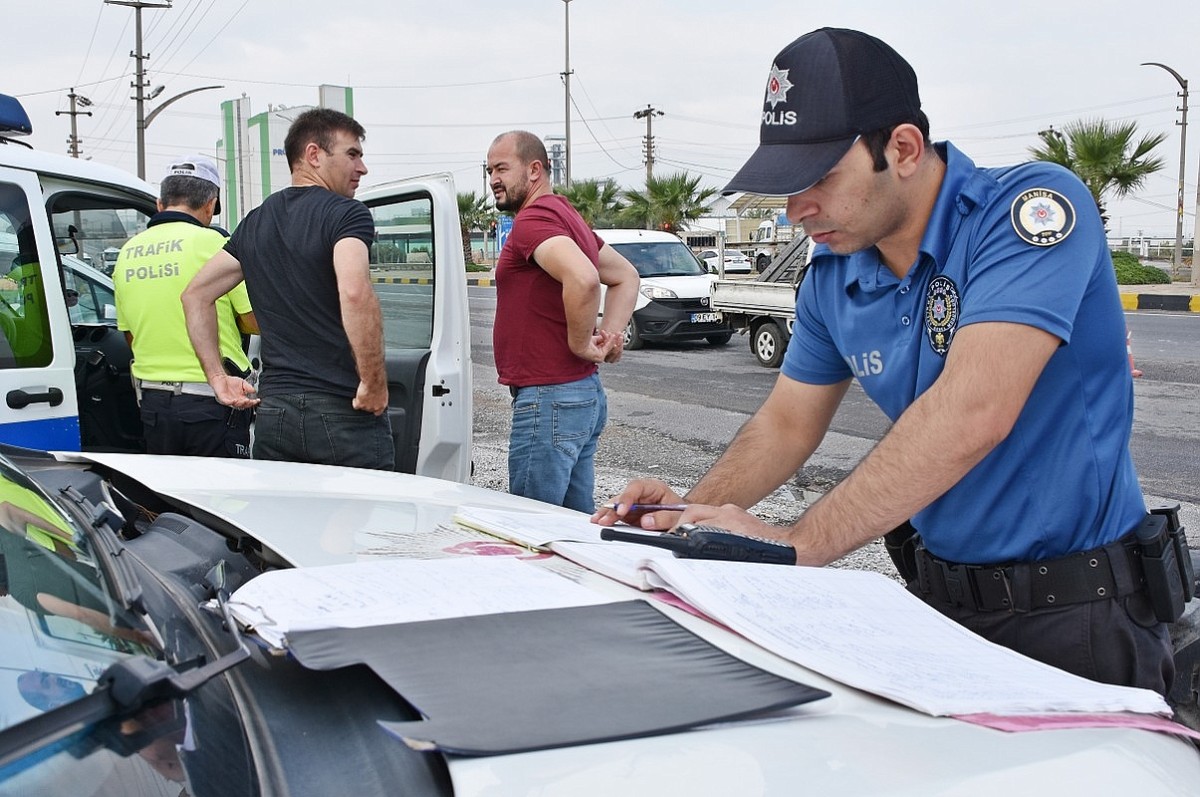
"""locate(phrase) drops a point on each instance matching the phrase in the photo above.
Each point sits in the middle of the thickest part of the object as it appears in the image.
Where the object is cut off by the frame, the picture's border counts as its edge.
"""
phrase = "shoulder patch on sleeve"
(1042, 217)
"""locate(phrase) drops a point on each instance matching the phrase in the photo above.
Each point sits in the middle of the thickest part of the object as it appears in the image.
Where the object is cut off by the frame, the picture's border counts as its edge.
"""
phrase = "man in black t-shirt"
(304, 254)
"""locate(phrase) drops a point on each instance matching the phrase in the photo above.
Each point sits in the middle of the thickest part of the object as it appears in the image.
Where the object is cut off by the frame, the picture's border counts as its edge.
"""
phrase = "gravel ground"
(625, 453)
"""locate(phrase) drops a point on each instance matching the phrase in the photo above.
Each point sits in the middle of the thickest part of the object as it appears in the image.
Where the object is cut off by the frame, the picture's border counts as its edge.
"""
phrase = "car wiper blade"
(106, 522)
(122, 690)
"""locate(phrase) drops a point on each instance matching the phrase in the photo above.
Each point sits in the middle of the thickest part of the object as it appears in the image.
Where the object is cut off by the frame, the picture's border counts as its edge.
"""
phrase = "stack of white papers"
(867, 631)
(363, 594)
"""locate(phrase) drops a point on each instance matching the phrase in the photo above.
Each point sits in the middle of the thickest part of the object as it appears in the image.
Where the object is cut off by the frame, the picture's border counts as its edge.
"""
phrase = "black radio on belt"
(1166, 561)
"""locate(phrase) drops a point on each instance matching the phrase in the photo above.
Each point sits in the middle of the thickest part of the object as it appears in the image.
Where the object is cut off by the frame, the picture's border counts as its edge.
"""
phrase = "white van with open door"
(64, 374)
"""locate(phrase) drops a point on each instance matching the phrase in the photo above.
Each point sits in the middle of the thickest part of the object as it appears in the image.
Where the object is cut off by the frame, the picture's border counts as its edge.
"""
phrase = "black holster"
(901, 544)
(1166, 561)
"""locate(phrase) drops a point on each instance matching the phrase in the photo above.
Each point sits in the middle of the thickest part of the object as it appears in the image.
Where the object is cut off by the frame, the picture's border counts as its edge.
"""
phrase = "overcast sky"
(436, 80)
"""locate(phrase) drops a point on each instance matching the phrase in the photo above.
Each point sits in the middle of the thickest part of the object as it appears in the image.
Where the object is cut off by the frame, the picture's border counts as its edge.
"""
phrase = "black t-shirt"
(285, 247)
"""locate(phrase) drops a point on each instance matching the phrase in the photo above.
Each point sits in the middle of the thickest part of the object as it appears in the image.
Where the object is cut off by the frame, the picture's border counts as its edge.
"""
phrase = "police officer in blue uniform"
(979, 309)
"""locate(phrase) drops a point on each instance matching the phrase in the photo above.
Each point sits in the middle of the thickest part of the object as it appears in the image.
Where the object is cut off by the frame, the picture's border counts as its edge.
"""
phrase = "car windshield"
(661, 258)
(59, 626)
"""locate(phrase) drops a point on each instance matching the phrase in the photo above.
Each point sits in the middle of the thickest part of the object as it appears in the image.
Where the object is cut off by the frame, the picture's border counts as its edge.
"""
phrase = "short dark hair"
(191, 192)
(319, 126)
(877, 140)
(530, 148)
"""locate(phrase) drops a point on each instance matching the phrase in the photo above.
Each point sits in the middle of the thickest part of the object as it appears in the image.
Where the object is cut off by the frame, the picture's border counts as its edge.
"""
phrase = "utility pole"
(81, 102)
(1177, 265)
(567, 90)
(648, 113)
(140, 83)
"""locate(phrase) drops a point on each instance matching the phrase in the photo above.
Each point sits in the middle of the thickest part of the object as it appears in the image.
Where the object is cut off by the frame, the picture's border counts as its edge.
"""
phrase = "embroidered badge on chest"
(1042, 217)
(941, 313)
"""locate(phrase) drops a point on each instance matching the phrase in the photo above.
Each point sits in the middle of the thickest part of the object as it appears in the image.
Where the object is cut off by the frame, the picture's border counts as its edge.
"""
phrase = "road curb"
(1175, 302)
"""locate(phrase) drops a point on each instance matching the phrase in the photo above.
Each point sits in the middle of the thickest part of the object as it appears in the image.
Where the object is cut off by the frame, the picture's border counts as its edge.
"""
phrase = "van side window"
(402, 269)
(94, 228)
(24, 322)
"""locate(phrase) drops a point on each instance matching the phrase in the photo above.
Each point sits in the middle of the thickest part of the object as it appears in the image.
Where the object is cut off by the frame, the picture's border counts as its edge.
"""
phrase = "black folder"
(521, 681)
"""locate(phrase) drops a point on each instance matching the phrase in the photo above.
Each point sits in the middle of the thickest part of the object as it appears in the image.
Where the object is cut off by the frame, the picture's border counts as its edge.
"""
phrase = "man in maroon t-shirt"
(545, 339)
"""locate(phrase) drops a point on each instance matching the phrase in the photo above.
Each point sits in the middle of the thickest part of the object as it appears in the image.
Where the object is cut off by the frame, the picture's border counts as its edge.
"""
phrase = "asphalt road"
(672, 409)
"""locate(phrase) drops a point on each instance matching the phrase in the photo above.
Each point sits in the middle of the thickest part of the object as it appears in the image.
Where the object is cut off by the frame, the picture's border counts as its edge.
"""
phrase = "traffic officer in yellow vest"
(180, 414)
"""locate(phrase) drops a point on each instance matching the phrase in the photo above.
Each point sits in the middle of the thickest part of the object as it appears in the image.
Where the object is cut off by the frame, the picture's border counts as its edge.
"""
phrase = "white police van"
(64, 373)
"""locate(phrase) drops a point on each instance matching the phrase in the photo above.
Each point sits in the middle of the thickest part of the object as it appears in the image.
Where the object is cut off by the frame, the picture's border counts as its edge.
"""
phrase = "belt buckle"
(958, 584)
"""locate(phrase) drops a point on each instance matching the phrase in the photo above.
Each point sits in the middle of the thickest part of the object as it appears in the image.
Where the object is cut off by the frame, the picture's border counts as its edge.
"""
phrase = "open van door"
(37, 356)
(420, 277)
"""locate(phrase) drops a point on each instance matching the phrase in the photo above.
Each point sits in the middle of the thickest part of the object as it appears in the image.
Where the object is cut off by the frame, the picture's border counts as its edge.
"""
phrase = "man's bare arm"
(772, 445)
(561, 258)
(971, 408)
(363, 321)
(217, 277)
(622, 281)
(247, 324)
(765, 453)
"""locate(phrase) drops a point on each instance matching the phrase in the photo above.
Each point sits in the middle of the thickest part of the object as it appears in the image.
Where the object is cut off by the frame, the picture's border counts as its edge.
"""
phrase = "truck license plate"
(705, 318)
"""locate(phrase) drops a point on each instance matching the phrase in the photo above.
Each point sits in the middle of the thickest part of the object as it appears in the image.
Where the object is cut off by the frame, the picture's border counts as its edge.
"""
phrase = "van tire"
(768, 343)
(633, 338)
(761, 262)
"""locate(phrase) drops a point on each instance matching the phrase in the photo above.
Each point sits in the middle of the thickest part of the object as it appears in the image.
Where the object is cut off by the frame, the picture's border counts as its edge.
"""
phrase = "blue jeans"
(323, 429)
(552, 449)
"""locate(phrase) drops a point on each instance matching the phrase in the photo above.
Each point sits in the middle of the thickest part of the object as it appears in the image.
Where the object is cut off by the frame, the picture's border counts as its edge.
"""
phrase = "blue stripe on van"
(50, 434)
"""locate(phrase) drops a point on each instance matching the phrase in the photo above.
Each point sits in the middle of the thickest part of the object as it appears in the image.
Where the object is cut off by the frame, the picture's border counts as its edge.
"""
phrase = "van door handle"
(20, 399)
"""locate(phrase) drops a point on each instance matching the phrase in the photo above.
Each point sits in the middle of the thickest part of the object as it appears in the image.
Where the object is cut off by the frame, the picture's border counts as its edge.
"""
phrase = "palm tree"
(473, 214)
(1103, 155)
(598, 201)
(667, 202)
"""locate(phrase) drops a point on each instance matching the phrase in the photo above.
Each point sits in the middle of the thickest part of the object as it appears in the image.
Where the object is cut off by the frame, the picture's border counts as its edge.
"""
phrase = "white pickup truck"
(765, 308)
(65, 374)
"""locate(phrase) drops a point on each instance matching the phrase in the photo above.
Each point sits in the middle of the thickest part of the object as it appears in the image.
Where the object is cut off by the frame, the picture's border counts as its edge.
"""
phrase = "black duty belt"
(1110, 571)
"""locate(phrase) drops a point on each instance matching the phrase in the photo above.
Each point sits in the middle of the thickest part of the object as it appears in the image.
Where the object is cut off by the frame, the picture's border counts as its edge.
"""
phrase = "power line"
(166, 54)
(220, 30)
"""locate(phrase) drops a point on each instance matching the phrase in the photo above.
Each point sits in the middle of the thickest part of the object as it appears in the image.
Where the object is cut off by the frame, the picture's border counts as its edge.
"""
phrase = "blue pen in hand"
(636, 511)
(644, 508)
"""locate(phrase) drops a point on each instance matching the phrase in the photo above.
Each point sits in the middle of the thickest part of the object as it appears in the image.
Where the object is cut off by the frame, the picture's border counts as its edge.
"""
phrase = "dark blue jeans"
(552, 449)
(323, 429)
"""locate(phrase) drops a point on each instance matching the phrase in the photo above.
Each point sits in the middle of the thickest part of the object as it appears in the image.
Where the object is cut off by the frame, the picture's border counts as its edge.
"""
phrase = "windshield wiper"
(106, 522)
(124, 689)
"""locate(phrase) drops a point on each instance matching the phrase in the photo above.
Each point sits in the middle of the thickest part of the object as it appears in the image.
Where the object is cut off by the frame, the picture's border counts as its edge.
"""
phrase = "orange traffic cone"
(1134, 371)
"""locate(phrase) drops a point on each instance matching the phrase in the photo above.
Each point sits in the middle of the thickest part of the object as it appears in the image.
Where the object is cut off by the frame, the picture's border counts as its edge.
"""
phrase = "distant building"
(251, 149)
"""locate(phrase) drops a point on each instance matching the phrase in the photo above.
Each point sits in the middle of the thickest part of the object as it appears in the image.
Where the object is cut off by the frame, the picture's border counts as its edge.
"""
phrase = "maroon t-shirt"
(529, 338)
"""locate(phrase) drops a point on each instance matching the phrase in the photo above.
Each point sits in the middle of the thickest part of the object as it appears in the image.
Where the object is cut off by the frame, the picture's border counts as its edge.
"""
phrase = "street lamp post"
(1183, 109)
(567, 89)
(144, 122)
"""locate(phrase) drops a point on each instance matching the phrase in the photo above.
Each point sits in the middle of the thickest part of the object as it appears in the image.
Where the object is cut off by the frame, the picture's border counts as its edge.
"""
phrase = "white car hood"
(850, 744)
